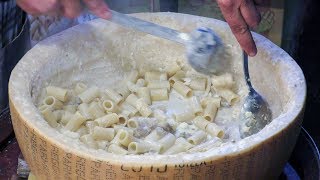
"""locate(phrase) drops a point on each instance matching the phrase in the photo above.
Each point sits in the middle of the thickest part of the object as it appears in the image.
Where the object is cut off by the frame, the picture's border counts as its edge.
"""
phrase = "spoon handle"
(246, 71)
(148, 27)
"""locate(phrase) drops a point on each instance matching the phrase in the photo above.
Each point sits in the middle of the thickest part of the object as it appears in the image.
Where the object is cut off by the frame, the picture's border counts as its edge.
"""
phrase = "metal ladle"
(203, 45)
(255, 113)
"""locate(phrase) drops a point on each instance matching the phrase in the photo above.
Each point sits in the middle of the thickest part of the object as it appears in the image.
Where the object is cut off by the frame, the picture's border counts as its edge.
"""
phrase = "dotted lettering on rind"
(126, 176)
(26, 139)
(34, 151)
(44, 158)
(110, 173)
(67, 168)
(80, 168)
(178, 172)
(210, 172)
(195, 177)
(94, 170)
(55, 161)
(224, 171)
(162, 178)
(237, 167)
(144, 177)
(250, 164)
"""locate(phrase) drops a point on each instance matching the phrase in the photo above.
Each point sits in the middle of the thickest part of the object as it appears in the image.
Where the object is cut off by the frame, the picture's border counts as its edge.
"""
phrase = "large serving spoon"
(203, 46)
(255, 113)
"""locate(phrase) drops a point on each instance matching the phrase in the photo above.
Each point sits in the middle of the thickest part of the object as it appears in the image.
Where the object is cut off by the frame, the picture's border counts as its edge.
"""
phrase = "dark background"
(302, 41)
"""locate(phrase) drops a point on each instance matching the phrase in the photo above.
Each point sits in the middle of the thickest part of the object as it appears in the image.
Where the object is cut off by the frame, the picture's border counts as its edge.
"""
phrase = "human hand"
(241, 15)
(67, 8)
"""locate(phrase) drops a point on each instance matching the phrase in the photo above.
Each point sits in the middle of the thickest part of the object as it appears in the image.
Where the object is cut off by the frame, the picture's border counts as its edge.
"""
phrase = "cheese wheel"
(100, 52)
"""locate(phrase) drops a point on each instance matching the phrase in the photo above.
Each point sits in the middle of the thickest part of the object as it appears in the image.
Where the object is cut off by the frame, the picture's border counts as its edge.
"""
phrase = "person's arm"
(68, 8)
(241, 15)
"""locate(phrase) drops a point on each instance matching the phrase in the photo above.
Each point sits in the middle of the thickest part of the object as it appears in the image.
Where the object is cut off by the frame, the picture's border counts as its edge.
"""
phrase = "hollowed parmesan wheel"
(104, 51)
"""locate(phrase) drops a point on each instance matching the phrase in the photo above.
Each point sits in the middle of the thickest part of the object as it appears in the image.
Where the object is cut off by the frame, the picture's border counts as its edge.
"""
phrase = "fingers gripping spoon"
(202, 44)
(255, 113)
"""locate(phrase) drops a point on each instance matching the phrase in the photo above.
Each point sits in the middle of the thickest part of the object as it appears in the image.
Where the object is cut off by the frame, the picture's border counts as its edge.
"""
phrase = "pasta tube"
(182, 89)
(59, 93)
(133, 76)
(210, 111)
(108, 120)
(84, 111)
(133, 123)
(80, 88)
(66, 116)
(117, 128)
(124, 91)
(143, 108)
(215, 100)
(90, 94)
(172, 69)
(52, 102)
(166, 142)
(75, 122)
(102, 144)
(155, 135)
(116, 149)
(150, 76)
(181, 145)
(128, 110)
(198, 84)
(159, 94)
(141, 83)
(89, 141)
(200, 122)
(100, 133)
(138, 147)
(70, 108)
(158, 85)
(125, 138)
(132, 100)
(214, 130)
(224, 81)
(184, 116)
(196, 106)
(109, 106)
(49, 116)
(212, 143)
(96, 110)
(114, 96)
(144, 93)
(82, 130)
(228, 95)
(123, 119)
(177, 77)
(197, 138)
(91, 125)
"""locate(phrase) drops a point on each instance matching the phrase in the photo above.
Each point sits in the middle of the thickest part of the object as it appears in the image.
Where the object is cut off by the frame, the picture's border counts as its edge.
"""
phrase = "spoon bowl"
(204, 50)
(255, 113)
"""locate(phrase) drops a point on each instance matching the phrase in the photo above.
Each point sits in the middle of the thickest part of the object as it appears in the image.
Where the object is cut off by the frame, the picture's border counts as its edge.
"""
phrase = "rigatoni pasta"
(145, 113)
(182, 89)
(89, 94)
(57, 92)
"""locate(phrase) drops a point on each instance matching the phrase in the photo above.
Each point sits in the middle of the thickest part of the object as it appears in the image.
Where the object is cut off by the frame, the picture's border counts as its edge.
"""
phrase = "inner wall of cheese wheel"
(100, 54)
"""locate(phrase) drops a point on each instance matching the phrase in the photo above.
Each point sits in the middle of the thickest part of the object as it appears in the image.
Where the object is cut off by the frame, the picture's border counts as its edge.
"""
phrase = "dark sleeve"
(11, 21)
(169, 5)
